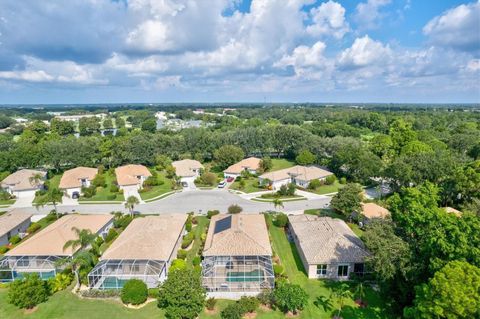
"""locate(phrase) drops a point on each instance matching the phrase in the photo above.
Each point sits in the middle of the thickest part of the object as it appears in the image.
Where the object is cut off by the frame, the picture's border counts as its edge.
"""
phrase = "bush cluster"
(212, 213)
(281, 220)
(287, 190)
(28, 292)
(181, 254)
(210, 303)
(238, 309)
(329, 180)
(234, 209)
(196, 261)
(122, 221)
(111, 235)
(89, 192)
(95, 293)
(278, 270)
(15, 239)
(33, 228)
(188, 239)
(3, 249)
(59, 282)
(134, 292)
(114, 188)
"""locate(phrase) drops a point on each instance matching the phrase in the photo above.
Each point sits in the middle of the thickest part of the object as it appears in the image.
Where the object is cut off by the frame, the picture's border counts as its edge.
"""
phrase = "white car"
(222, 184)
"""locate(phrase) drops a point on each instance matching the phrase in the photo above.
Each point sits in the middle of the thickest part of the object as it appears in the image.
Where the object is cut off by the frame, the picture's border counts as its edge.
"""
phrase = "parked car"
(222, 184)
(230, 179)
(184, 184)
(75, 195)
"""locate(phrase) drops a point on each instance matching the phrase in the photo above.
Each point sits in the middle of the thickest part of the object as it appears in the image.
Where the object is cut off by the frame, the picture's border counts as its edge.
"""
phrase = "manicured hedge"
(134, 292)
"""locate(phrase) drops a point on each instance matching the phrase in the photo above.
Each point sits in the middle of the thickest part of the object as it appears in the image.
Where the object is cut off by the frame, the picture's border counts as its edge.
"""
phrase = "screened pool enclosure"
(15, 267)
(113, 274)
(237, 273)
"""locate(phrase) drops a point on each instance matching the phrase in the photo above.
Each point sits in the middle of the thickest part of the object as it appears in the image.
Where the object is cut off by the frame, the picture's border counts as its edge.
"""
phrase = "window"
(358, 268)
(343, 271)
(321, 270)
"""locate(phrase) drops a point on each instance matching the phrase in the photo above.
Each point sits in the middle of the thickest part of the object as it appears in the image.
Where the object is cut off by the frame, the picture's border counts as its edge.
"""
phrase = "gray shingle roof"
(325, 240)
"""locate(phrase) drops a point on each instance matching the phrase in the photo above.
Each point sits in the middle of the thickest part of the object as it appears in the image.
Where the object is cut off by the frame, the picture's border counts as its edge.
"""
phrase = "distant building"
(298, 175)
(188, 170)
(75, 179)
(24, 183)
(328, 247)
(251, 165)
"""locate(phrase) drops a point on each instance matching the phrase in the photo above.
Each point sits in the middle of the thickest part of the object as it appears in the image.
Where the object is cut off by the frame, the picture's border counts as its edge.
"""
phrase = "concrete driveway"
(198, 201)
(24, 201)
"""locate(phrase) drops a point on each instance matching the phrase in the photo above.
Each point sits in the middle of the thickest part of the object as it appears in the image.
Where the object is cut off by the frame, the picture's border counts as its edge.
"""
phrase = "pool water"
(254, 275)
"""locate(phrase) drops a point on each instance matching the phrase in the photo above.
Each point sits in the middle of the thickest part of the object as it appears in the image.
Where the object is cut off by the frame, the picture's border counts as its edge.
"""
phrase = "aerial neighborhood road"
(198, 201)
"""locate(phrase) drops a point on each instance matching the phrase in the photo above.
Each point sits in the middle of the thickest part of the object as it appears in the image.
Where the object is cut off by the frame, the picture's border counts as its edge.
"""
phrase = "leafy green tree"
(107, 123)
(88, 125)
(401, 133)
(53, 196)
(227, 155)
(182, 295)
(390, 255)
(290, 297)
(62, 128)
(149, 125)
(348, 199)
(5, 121)
(28, 292)
(341, 293)
(453, 292)
(130, 204)
(266, 164)
(163, 161)
(305, 157)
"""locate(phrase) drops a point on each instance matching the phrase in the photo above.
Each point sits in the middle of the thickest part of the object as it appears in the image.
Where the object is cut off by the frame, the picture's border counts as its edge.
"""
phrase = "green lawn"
(52, 183)
(326, 189)
(199, 229)
(158, 190)
(103, 193)
(281, 163)
(251, 186)
(320, 290)
(7, 202)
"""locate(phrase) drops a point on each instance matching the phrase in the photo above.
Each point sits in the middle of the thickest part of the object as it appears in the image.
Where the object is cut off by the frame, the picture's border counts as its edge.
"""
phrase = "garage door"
(25, 194)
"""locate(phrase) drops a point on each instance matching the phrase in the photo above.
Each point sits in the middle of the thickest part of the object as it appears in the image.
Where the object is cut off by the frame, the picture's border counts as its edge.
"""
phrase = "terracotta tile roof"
(50, 241)
(127, 174)
(372, 210)
(150, 237)
(237, 235)
(184, 168)
(11, 220)
(251, 163)
(304, 173)
(72, 178)
(325, 240)
(20, 180)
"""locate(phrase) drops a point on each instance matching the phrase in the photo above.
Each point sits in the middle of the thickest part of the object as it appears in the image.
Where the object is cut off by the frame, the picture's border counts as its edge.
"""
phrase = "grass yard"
(158, 190)
(281, 163)
(199, 229)
(7, 202)
(326, 189)
(330, 213)
(104, 194)
(251, 186)
(52, 183)
(320, 304)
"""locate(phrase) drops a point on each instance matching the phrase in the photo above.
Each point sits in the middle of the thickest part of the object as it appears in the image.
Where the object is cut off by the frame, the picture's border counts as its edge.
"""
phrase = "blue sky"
(94, 51)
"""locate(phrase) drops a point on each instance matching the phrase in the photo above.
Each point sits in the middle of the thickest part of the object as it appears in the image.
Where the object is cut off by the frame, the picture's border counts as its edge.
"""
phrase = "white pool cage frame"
(15, 267)
(237, 273)
(113, 273)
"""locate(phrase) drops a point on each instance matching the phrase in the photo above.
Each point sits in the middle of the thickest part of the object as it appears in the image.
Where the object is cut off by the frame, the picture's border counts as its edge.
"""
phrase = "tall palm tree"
(277, 203)
(54, 196)
(83, 258)
(130, 204)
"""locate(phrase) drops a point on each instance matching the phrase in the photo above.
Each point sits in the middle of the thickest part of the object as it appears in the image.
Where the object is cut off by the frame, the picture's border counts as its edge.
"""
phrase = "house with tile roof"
(188, 170)
(298, 175)
(131, 176)
(251, 165)
(144, 251)
(75, 179)
(24, 182)
(41, 252)
(237, 256)
(12, 224)
(327, 246)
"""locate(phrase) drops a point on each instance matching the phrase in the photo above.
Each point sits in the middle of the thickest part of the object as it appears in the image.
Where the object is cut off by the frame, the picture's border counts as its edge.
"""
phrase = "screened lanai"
(113, 274)
(237, 256)
(143, 251)
(238, 273)
(15, 267)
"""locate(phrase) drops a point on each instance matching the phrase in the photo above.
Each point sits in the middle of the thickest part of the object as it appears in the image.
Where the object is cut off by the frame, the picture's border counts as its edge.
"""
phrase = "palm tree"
(54, 196)
(83, 258)
(80, 260)
(35, 179)
(341, 293)
(277, 203)
(130, 204)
